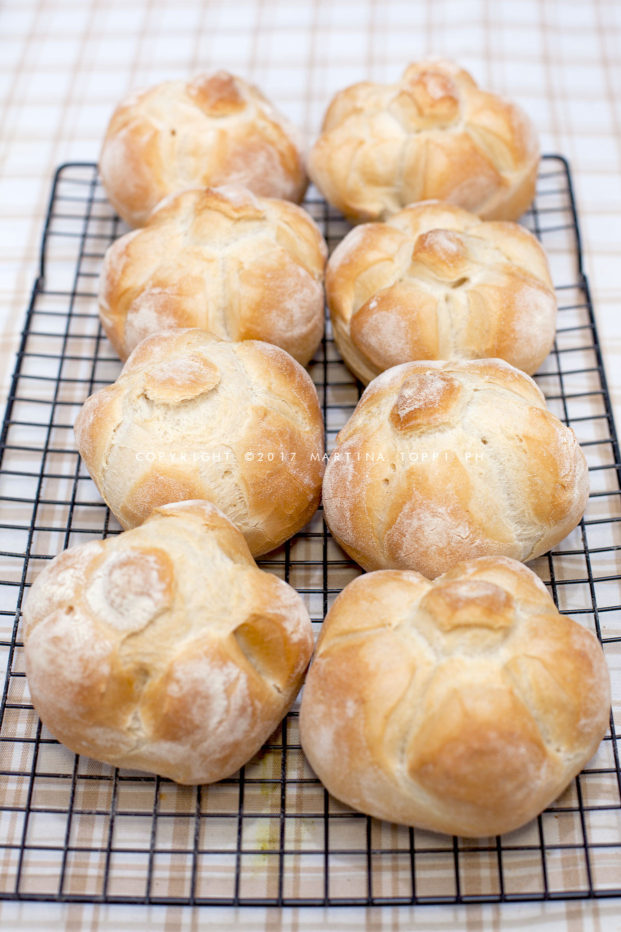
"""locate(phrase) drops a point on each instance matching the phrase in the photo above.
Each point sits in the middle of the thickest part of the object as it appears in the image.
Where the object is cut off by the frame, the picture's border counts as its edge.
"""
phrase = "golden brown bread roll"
(442, 462)
(191, 416)
(165, 648)
(433, 134)
(462, 706)
(435, 282)
(215, 129)
(242, 267)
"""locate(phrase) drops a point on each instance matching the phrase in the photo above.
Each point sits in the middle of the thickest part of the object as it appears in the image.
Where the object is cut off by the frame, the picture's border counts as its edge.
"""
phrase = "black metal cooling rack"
(75, 830)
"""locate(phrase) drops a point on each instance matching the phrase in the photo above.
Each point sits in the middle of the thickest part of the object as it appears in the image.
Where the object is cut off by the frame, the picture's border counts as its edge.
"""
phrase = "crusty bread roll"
(191, 416)
(462, 706)
(165, 648)
(433, 134)
(435, 282)
(442, 462)
(242, 267)
(215, 129)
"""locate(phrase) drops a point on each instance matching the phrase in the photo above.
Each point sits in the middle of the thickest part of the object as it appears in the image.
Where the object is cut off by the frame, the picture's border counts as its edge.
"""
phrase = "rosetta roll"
(463, 706)
(432, 134)
(191, 416)
(436, 282)
(165, 648)
(241, 266)
(215, 129)
(442, 462)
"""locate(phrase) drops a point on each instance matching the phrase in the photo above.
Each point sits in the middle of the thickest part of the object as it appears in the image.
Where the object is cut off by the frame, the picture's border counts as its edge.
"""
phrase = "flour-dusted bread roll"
(442, 462)
(435, 282)
(463, 706)
(240, 266)
(191, 416)
(433, 134)
(165, 648)
(215, 129)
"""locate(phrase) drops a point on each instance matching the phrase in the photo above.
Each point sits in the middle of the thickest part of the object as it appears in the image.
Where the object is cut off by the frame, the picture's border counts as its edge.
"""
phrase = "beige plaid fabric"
(63, 66)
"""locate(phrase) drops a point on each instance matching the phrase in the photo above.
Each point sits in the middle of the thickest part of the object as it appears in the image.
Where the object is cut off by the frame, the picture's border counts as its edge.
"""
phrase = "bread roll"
(191, 416)
(433, 134)
(442, 462)
(215, 129)
(463, 706)
(435, 282)
(165, 648)
(222, 259)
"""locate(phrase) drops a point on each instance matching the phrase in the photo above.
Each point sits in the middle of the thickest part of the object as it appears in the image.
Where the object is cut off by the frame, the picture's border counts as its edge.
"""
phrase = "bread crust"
(165, 648)
(214, 129)
(436, 282)
(442, 462)
(191, 416)
(432, 134)
(464, 705)
(222, 259)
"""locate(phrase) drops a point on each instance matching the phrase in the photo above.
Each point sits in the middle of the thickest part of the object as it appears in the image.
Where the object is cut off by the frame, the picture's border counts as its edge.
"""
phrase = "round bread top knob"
(443, 252)
(469, 603)
(177, 380)
(435, 94)
(217, 95)
(425, 400)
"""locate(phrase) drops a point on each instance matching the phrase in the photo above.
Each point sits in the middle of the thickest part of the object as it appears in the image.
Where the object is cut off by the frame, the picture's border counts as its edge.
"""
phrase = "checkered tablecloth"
(65, 63)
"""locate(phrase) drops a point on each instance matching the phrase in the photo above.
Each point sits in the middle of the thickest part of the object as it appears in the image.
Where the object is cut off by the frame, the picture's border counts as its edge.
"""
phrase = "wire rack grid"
(72, 829)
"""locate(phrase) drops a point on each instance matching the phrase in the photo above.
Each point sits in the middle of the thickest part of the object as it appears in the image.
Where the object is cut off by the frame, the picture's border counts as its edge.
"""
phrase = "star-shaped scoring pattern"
(215, 129)
(240, 266)
(433, 134)
(436, 282)
(464, 705)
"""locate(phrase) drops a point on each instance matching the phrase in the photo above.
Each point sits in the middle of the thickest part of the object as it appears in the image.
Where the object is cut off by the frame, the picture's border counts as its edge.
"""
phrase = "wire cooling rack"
(73, 829)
